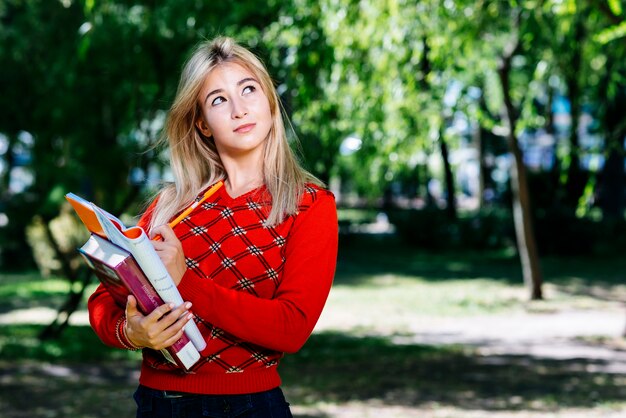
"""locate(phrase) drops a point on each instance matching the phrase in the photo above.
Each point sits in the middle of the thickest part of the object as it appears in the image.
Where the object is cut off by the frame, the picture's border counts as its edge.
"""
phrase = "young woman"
(254, 262)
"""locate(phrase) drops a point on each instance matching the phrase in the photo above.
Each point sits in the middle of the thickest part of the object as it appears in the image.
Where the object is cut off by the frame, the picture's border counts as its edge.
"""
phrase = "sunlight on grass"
(31, 285)
(419, 296)
(390, 303)
(32, 289)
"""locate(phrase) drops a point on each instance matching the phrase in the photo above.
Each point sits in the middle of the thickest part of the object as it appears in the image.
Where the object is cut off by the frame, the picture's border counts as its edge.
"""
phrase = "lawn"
(363, 359)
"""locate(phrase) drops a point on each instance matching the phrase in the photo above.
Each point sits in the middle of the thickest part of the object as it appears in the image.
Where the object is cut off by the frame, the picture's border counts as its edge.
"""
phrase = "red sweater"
(257, 292)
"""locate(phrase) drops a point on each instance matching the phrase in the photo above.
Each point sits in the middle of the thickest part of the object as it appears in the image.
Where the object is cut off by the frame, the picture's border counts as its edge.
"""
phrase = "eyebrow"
(239, 83)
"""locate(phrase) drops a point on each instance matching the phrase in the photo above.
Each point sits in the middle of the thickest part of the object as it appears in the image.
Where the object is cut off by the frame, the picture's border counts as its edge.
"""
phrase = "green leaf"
(616, 7)
(612, 33)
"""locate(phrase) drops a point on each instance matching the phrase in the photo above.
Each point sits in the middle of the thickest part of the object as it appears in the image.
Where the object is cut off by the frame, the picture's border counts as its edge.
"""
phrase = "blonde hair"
(194, 159)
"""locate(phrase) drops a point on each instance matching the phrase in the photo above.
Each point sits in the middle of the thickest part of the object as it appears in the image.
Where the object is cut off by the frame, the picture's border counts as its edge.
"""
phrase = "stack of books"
(125, 261)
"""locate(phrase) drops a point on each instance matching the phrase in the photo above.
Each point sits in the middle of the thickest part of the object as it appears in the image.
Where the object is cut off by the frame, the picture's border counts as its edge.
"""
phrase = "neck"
(244, 171)
(241, 184)
(241, 178)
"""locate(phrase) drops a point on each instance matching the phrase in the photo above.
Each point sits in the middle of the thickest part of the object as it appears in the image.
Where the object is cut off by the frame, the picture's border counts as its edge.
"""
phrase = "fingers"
(165, 231)
(161, 328)
(161, 311)
(131, 307)
(134, 318)
(174, 332)
(170, 251)
(165, 323)
(165, 315)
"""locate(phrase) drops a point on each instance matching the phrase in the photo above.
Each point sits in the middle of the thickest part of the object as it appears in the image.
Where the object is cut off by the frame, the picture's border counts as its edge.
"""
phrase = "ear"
(203, 127)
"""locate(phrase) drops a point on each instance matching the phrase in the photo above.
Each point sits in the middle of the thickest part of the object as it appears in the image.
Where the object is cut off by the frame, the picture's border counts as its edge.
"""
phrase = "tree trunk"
(480, 136)
(522, 218)
(425, 67)
(448, 176)
(576, 178)
(479, 140)
(9, 158)
(61, 321)
(81, 276)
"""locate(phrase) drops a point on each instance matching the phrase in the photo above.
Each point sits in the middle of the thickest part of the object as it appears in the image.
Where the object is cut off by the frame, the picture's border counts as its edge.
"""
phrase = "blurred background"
(476, 150)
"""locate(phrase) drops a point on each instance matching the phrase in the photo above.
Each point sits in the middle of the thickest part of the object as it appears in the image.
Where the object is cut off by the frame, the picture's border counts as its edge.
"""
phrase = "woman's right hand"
(160, 329)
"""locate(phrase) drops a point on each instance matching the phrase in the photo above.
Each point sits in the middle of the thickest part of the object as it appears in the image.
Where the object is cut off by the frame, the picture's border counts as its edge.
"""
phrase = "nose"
(239, 109)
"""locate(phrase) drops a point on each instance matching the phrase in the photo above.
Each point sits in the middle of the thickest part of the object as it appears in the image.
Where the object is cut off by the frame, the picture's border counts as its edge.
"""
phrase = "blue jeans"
(153, 403)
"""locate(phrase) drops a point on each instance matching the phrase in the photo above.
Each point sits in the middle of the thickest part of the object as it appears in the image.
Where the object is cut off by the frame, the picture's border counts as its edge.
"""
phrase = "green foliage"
(431, 228)
(560, 232)
(90, 83)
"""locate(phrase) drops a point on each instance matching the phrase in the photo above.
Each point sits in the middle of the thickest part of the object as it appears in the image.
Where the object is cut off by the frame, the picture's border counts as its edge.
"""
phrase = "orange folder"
(84, 210)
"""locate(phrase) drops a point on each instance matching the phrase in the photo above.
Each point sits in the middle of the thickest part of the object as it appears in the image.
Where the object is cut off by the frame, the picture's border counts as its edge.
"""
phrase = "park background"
(476, 150)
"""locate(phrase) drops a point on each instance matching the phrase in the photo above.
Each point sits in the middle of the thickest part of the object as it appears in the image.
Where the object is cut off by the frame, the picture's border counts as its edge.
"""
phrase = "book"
(120, 274)
(136, 242)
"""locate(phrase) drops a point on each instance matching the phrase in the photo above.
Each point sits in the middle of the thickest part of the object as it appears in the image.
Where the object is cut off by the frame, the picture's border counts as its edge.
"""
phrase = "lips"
(244, 128)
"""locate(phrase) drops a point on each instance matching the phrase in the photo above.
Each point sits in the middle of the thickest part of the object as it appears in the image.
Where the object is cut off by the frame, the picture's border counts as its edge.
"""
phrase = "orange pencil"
(187, 211)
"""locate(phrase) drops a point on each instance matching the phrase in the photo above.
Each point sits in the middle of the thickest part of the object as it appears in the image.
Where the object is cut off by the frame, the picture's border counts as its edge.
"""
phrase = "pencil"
(187, 211)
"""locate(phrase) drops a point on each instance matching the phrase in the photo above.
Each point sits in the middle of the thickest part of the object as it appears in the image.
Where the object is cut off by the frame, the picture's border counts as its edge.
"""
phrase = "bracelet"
(125, 342)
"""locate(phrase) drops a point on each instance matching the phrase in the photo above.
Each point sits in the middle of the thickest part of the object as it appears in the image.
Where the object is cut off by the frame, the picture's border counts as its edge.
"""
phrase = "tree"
(89, 82)
(522, 217)
(610, 94)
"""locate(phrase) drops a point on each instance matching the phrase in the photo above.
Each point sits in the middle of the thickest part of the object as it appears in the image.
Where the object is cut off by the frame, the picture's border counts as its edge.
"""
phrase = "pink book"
(120, 274)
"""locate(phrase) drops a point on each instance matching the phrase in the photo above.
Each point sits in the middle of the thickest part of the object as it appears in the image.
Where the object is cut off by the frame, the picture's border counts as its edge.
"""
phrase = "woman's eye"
(218, 100)
(248, 89)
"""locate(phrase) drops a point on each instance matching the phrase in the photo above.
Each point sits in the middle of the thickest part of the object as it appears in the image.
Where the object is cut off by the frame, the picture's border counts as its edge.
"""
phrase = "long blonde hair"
(194, 159)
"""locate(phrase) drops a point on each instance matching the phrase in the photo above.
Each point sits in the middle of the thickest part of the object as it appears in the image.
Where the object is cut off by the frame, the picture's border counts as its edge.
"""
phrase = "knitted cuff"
(122, 338)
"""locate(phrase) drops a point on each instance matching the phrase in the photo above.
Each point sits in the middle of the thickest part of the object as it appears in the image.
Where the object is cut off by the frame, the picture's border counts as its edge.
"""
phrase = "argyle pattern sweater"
(257, 291)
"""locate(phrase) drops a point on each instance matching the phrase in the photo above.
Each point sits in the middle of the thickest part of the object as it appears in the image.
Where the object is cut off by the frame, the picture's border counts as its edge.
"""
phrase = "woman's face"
(235, 111)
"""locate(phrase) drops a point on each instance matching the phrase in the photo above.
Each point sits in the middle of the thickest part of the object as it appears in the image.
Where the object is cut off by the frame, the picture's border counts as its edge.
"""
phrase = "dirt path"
(590, 339)
(561, 335)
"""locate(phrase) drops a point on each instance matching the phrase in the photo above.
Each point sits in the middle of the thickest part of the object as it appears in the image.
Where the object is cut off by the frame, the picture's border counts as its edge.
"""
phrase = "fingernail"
(187, 305)
(172, 306)
(190, 316)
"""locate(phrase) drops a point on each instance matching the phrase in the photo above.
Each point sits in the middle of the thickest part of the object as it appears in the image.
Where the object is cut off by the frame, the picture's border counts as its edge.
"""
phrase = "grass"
(26, 290)
(335, 367)
(396, 279)
(358, 356)
(77, 344)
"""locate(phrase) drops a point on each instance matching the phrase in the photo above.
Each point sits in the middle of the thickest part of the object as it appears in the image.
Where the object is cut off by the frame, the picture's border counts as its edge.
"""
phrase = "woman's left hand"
(170, 251)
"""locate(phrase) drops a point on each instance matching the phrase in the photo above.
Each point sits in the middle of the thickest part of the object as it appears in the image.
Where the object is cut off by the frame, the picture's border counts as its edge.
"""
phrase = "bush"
(431, 229)
(560, 232)
(69, 234)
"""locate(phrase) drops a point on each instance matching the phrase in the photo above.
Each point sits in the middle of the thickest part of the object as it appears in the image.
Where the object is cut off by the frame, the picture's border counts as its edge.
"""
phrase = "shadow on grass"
(43, 380)
(340, 368)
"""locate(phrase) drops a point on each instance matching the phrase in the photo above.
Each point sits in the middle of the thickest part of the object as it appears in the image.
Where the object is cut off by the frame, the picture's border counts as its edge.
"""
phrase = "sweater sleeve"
(285, 322)
(107, 319)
